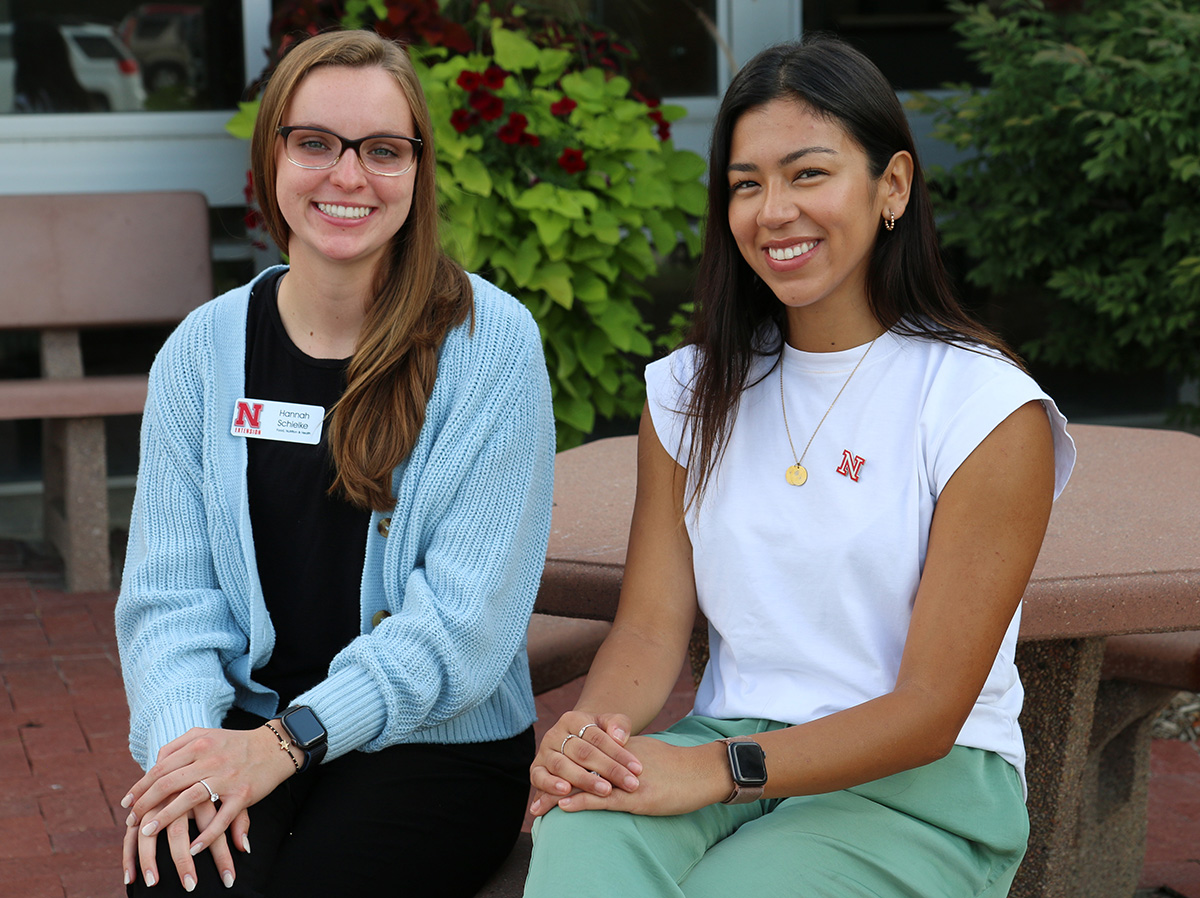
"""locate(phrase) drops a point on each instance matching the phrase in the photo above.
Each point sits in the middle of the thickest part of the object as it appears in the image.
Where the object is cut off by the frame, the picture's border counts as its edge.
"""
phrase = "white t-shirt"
(809, 590)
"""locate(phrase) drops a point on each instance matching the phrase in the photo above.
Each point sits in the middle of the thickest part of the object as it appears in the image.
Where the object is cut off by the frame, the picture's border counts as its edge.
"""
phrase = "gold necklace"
(797, 474)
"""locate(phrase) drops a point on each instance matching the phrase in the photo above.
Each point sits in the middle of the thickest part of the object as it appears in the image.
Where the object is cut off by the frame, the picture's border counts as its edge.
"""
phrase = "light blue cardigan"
(457, 572)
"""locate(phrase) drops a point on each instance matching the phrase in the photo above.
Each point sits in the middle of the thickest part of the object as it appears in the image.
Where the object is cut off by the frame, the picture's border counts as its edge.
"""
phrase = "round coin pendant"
(796, 475)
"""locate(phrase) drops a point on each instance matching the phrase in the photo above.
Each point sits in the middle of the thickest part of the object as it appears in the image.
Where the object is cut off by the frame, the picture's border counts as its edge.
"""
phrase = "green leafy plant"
(1083, 187)
(559, 182)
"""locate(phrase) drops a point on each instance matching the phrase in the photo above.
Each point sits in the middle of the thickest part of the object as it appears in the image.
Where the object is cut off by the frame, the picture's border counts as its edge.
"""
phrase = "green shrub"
(558, 182)
(1084, 184)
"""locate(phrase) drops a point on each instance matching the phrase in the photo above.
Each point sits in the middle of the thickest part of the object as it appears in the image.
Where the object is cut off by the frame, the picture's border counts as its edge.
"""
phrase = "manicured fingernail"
(635, 767)
(150, 880)
(189, 884)
(131, 820)
(631, 783)
(246, 842)
(620, 736)
(196, 849)
(150, 828)
(128, 877)
(562, 787)
(227, 878)
(127, 800)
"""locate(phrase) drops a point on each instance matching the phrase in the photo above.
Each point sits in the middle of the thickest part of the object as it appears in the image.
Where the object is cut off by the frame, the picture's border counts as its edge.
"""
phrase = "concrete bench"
(1121, 556)
(91, 261)
(1164, 659)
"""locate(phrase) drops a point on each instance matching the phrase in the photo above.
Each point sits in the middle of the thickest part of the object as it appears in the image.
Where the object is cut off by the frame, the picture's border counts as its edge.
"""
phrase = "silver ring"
(213, 796)
(562, 749)
(585, 726)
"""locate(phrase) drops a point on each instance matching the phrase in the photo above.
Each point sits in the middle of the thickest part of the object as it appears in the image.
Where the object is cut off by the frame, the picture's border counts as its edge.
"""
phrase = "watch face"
(749, 763)
(303, 725)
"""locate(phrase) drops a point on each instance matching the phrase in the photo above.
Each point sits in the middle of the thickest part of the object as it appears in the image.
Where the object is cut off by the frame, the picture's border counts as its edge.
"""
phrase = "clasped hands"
(589, 762)
(241, 767)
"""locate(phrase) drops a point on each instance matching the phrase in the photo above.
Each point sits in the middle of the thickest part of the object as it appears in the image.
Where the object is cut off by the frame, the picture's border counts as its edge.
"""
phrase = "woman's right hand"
(583, 752)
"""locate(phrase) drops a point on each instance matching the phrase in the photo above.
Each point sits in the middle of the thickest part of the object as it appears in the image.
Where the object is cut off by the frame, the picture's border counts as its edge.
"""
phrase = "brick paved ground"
(64, 763)
(64, 758)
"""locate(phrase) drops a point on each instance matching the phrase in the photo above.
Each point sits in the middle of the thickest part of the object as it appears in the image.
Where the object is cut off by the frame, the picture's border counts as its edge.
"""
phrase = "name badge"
(289, 422)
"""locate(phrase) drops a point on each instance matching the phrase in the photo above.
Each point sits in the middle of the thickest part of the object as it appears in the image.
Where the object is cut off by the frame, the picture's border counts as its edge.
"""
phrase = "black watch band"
(307, 733)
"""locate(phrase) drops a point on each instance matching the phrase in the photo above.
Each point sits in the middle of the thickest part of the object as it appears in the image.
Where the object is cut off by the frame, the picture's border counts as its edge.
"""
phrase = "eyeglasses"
(381, 154)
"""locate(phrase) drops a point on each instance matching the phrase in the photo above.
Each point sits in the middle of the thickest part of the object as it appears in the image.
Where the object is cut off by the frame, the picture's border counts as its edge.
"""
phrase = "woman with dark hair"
(339, 528)
(851, 479)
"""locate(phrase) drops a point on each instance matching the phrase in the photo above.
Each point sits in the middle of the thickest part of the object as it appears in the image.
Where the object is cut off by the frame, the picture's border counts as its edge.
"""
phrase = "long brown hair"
(419, 293)
(908, 288)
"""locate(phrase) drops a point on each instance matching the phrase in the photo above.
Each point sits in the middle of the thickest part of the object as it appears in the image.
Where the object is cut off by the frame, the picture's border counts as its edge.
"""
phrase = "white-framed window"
(162, 79)
(692, 48)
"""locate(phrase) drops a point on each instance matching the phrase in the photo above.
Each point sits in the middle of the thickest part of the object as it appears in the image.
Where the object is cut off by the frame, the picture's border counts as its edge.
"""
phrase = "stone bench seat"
(75, 262)
(1164, 659)
(1120, 557)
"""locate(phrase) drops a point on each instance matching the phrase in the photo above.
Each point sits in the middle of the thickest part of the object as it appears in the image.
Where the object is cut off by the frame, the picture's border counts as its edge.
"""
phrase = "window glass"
(119, 55)
(911, 41)
(675, 41)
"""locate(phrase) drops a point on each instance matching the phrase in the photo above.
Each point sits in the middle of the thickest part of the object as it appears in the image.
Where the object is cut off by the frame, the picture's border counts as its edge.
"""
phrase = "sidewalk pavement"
(64, 761)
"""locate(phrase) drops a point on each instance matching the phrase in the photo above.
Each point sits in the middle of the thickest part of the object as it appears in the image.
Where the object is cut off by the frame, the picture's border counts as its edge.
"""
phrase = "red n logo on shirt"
(851, 465)
(249, 415)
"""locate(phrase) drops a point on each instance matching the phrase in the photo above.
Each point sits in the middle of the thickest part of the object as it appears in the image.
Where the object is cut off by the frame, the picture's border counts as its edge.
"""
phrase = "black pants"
(428, 820)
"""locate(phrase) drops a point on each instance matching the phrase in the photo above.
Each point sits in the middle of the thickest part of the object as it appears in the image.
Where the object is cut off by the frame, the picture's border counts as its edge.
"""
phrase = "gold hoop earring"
(890, 224)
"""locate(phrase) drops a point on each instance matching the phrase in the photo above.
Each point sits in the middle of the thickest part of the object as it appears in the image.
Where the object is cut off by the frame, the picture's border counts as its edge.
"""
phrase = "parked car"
(168, 41)
(102, 65)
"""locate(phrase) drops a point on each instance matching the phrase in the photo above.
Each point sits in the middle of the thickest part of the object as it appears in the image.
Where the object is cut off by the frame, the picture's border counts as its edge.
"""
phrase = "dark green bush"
(1083, 187)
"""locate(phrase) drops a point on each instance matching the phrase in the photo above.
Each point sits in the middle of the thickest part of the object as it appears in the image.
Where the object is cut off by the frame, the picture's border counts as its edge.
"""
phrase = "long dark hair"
(908, 288)
(419, 292)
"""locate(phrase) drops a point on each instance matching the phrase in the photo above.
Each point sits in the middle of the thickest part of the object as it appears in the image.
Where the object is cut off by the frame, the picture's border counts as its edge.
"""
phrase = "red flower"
(664, 127)
(514, 129)
(469, 81)
(493, 77)
(489, 106)
(563, 106)
(462, 119)
(456, 38)
(571, 161)
(530, 140)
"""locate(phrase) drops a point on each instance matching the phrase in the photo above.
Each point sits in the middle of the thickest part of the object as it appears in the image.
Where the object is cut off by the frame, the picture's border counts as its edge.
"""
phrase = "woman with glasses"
(851, 478)
(339, 529)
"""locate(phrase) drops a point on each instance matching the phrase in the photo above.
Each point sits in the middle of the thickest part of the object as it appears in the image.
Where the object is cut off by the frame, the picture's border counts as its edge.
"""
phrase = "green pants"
(955, 828)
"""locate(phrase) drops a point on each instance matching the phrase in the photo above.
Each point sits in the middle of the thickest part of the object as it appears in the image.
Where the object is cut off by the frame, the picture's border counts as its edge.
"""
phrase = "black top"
(310, 546)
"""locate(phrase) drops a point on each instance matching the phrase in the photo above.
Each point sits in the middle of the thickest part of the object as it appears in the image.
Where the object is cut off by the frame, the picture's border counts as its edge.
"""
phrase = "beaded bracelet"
(284, 745)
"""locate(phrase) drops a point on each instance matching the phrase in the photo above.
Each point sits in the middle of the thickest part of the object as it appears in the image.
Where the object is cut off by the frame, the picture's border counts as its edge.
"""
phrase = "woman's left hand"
(674, 780)
(140, 850)
(241, 766)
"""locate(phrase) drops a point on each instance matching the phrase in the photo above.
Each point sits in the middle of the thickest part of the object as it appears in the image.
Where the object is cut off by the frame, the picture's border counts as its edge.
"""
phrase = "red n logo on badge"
(851, 465)
(250, 414)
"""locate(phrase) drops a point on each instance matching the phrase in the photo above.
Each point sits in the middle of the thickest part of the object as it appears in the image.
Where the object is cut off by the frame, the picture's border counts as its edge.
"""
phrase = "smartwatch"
(747, 763)
(306, 732)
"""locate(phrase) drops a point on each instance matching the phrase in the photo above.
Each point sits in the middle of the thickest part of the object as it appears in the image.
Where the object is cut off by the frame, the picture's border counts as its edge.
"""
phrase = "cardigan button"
(385, 524)
(379, 617)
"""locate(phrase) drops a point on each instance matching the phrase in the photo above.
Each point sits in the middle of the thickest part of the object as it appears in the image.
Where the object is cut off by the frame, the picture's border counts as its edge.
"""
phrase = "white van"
(102, 64)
